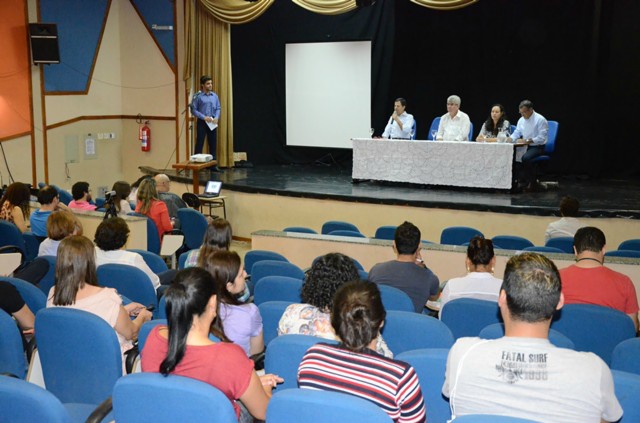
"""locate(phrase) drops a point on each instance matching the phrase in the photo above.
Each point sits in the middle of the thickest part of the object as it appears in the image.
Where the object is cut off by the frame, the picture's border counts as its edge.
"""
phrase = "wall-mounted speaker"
(44, 43)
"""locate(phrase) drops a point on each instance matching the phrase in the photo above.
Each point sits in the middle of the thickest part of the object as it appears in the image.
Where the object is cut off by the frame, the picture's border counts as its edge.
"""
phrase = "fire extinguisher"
(144, 135)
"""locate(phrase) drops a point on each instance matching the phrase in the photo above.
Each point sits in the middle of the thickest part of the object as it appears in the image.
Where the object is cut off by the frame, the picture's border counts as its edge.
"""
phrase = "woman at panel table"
(495, 123)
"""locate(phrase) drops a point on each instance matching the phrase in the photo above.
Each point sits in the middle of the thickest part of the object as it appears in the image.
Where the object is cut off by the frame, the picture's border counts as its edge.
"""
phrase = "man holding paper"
(206, 107)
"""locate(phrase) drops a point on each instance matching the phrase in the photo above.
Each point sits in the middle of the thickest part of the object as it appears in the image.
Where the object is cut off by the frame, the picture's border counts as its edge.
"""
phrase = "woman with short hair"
(60, 224)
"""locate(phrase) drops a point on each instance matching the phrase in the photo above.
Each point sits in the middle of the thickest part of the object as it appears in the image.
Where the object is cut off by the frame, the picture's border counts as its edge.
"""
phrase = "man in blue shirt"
(206, 107)
(531, 131)
(49, 201)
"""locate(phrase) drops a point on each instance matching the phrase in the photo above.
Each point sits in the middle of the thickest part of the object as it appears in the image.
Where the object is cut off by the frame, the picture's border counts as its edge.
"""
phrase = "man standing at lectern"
(206, 107)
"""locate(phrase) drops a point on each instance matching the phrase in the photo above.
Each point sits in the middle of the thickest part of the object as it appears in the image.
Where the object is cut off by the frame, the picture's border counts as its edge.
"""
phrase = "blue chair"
(273, 268)
(625, 356)
(513, 128)
(80, 355)
(434, 127)
(496, 331)
(271, 312)
(430, 365)
(630, 244)
(312, 406)
(623, 253)
(100, 202)
(128, 281)
(405, 331)
(284, 354)
(511, 242)
(386, 232)
(32, 245)
(162, 308)
(194, 225)
(395, 299)
(353, 234)
(364, 276)
(299, 229)
(336, 225)
(564, 243)
(414, 130)
(490, 418)
(11, 235)
(64, 195)
(153, 239)
(550, 146)
(183, 259)
(468, 316)
(48, 280)
(277, 288)
(470, 136)
(12, 357)
(594, 328)
(35, 299)
(254, 256)
(542, 249)
(458, 235)
(627, 386)
(154, 261)
(154, 397)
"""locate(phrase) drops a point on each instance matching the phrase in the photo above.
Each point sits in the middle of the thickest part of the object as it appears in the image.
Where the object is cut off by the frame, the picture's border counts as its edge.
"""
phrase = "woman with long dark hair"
(121, 198)
(14, 205)
(495, 123)
(216, 238)
(184, 347)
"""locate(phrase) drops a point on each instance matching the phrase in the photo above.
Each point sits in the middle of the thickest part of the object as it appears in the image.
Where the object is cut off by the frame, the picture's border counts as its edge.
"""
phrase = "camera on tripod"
(109, 205)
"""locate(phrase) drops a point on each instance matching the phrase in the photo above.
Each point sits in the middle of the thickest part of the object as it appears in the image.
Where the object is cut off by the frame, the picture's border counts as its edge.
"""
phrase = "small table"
(195, 168)
(213, 203)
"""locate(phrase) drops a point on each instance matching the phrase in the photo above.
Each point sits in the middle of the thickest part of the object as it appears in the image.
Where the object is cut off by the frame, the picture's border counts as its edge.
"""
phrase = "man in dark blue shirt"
(206, 107)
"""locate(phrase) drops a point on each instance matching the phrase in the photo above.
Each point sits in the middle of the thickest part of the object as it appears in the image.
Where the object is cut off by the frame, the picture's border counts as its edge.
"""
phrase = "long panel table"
(452, 163)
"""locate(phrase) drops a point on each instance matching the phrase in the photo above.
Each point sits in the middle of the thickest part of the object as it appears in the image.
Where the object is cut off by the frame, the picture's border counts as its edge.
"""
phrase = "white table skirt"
(462, 164)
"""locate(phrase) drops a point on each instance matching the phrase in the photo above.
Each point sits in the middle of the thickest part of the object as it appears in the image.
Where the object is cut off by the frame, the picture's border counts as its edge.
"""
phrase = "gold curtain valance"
(235, 11)
(444, 4)
(327, 7)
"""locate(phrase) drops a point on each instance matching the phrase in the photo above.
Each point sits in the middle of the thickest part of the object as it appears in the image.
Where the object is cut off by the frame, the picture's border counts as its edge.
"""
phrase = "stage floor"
(598, 197)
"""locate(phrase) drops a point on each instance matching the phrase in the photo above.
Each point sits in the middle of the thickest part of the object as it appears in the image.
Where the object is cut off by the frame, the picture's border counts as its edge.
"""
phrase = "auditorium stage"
(599, 198)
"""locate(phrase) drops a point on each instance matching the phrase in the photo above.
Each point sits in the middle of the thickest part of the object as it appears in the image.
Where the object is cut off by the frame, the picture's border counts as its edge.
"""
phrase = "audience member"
(353, 367)
(408, 272)
(590, 282)
(60, 225)
(12, 303)
(122, 190)
(327, 274)
(184, 348)
(14, 205)
(133, 196)
(77, 287)
(479, 282)
(455, 124)
(495, 123)
(242, 322)
(531, 131)
(522, 374)
(81, 194)
(568, 224)
(401, 123)
(152, 207)
(217, 237)
(173, 201)
(49, 201)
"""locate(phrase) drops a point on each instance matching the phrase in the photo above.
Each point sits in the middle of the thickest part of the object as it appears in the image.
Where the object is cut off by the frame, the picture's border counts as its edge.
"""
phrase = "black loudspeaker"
(44, 43)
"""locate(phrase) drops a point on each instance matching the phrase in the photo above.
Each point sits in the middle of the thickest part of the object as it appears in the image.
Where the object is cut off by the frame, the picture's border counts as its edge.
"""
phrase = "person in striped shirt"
(353, 367)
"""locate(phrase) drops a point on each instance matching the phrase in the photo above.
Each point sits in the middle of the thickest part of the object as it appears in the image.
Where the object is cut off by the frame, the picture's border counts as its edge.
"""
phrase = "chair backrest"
(405, 331)
(458, 235)
(511, 242)
(24, 402)
(542, 249)
(154, 261)
(490, 418)
(64, 195)
(277, 288)
(271, 312)
(128, 281)
(594, 328)
(146, 329)
(80, 355)
(550, 146)
(162, 308)
(496, 331)
(153, 239)
(11, 235)
(336, 225)
(626, 356)
(468, 316)
(12, 358)
(284, 354)
(182, 261)
(627, 386)
(353, 234)
(434, 127)
(623, 253)
(299, 229)
(35, 299)
(254, 256)
(32, 245)
(49, 279)
(154, 397)
(309, 405)
(470, 136)
(386, 232)
(273, 268)
(194, 225)
(564, 243)
(630, 244)
(395, 299)
(430, 365)
(414, 130)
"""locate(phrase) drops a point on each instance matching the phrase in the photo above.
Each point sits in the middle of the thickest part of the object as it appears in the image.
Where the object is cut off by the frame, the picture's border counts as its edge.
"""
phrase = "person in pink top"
(152, 207)
(81, 197)
(590, 282)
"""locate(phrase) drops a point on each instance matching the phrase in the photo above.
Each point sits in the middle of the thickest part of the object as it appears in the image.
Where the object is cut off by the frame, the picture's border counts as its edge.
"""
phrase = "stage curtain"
(235, 11)
(327, 7)
(444, 4)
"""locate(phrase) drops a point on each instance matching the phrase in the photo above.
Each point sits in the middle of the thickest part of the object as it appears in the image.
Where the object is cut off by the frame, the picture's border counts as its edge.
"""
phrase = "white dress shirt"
(567, 226)
(392, 130)
(454, 128)
(129, 258)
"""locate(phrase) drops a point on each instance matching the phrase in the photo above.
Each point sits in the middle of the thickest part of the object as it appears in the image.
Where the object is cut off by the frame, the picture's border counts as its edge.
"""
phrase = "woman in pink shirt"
(152, 207)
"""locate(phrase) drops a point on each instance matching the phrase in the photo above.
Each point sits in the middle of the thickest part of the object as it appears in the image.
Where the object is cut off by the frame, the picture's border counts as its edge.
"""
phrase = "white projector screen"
(328, 93)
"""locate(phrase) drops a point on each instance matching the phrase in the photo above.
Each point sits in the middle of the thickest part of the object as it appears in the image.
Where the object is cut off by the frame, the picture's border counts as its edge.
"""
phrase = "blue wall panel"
(159, 12)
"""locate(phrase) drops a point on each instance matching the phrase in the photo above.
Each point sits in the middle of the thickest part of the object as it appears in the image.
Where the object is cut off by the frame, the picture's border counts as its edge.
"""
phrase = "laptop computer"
(212, 189)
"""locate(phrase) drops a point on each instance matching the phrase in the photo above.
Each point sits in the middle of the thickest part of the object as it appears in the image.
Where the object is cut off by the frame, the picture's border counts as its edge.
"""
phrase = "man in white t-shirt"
(455, 124)
(568, 224)
(522, 374)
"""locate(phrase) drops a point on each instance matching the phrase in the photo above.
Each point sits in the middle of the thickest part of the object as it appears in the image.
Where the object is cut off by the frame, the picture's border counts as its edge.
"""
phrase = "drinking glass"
(433, 134)
(371, 131)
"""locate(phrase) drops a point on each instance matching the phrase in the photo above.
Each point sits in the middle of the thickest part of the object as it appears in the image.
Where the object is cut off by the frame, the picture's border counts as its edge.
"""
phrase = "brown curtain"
(444, 4)
(327, 7)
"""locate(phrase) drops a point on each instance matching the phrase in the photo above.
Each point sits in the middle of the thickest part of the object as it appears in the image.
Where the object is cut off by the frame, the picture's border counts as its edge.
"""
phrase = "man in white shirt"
(569, 224)
(522, 374)
(455, 124)
(401, 124)
(531, 131)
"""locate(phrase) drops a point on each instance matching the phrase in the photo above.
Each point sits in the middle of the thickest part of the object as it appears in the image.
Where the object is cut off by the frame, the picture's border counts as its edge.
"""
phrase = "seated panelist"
(495, 123)
(455, 124)
(401, 123)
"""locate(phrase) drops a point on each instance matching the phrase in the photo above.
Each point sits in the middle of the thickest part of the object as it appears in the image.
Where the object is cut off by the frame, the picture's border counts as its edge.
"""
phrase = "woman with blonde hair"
(14, 205)
(150, 205)
(60, 224)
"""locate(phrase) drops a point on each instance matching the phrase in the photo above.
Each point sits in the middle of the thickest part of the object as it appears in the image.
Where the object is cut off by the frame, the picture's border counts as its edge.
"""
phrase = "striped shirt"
(390, 384)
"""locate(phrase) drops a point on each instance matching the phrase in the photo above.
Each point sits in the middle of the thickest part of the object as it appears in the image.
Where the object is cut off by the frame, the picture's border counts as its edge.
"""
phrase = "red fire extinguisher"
(144, 135)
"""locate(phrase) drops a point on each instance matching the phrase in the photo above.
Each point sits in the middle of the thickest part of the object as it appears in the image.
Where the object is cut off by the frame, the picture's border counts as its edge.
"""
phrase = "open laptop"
(212, 189)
